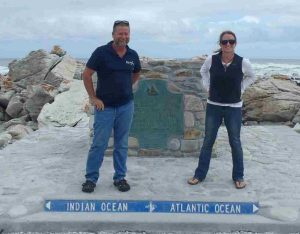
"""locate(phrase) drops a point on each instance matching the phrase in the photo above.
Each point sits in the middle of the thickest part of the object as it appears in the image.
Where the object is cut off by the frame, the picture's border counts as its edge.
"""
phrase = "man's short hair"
(120, 23)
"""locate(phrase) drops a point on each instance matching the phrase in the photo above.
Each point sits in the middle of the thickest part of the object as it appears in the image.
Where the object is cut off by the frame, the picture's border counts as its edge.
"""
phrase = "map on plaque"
(158, 114)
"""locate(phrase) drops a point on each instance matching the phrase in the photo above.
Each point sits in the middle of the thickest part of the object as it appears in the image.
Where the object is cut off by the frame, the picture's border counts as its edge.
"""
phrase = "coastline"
(262, 67)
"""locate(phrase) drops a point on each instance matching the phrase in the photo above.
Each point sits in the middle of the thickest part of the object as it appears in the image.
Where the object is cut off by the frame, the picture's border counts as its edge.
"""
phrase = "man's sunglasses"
(117, 22)
(225, 42)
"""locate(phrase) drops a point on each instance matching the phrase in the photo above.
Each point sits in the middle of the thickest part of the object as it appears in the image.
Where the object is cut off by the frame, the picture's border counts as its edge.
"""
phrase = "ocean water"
(262, 67)
(267, 67)
(4, 65)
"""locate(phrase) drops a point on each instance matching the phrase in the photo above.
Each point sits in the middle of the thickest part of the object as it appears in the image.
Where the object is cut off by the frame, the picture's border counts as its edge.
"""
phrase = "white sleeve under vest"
(204, 71)
(249, 76)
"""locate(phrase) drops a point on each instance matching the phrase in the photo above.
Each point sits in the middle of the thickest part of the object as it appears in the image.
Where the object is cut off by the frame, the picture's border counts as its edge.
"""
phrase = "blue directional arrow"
(96, 206)
(121, 206)
(205, 207)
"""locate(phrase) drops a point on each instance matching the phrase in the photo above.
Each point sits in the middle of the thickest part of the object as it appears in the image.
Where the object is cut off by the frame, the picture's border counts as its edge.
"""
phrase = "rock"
(5, 139)
(133, 142)
(192, 103)
(192, 64)
(64, 70)
(174, 144)
(64, 86)
(156, 75)
(149, 152)
(67, 109)
(280, 77)
(5, 98)
(297, 128)
(133, 153)
(33, 125)
(271, 100)
(163, 69)
(38, 98)
(157, 62)
(32, 68)
(200, 116)
(296, 118)
(188, 146)
(191, 134)
(19, 131)
(189, 120)
(3, 115)
(58, 51)
(184, 73)
(15, 106)
(173, 64)
(21, 120)
(173, 88)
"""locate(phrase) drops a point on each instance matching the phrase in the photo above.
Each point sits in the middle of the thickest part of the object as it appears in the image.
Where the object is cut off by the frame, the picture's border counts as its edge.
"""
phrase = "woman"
(225, 76)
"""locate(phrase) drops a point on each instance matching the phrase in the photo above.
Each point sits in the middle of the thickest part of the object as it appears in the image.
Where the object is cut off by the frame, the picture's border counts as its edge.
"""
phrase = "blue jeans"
(119, 119)
(233, 120)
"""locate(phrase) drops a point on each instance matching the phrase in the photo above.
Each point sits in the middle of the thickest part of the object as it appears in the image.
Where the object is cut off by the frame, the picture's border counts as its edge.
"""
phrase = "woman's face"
(228, 43)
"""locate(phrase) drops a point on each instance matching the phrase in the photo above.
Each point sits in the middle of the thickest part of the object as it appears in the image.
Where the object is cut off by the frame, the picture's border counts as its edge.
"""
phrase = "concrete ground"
(49, 164)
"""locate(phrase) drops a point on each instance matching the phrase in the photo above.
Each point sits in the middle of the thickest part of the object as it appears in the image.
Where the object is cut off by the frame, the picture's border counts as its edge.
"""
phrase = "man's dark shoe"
(122, 185)
(88, 186)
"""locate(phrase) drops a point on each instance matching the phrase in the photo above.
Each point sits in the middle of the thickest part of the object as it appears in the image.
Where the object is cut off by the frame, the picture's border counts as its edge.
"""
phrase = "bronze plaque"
(158, 114)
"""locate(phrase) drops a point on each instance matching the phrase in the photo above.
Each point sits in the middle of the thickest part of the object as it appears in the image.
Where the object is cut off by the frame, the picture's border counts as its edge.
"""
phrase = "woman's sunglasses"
(225, 42)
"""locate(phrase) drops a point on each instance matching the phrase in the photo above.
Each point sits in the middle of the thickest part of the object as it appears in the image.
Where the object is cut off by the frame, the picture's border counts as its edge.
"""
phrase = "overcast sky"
(159, 28)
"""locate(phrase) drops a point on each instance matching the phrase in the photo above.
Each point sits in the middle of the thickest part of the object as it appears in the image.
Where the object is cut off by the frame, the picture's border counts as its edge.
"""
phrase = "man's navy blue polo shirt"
(114, 84)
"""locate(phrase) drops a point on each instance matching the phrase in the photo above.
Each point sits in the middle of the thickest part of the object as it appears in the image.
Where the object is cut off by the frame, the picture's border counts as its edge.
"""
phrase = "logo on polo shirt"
(130, 63)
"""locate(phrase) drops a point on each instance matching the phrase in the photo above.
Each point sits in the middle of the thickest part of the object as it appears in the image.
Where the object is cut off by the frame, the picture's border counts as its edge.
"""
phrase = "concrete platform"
(49, 165)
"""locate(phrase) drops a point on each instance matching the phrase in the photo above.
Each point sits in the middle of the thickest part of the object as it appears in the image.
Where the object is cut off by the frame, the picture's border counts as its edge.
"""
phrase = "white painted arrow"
(255, 208)
(48, 205)
(151, 206)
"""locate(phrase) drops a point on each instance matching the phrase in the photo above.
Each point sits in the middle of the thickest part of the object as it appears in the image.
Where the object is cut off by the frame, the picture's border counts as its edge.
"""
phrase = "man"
(117, 68)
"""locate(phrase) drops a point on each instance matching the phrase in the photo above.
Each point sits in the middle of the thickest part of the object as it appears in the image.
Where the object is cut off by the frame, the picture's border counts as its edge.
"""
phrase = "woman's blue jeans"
(118, 119)
(233, 120)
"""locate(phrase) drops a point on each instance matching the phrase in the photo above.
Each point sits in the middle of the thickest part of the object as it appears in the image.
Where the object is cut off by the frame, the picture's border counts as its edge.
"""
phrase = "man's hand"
(98, 103)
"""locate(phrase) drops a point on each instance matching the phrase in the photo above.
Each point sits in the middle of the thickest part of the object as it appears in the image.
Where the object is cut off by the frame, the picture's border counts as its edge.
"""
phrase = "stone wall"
(180, 77)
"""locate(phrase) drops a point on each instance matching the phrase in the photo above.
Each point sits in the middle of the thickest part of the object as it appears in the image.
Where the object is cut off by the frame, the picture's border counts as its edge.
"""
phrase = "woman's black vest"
(225, 83)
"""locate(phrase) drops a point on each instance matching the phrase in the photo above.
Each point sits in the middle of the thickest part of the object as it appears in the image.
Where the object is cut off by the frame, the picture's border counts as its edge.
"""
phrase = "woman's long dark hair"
(221, 36)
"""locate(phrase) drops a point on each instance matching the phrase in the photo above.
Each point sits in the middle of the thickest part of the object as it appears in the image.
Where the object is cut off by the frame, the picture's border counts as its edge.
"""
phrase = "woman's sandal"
(239, 184)
(193, 181)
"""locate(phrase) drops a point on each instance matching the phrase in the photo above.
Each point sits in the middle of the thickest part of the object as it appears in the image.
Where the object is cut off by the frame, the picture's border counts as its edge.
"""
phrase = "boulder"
(5, 138)
(21, 120)
(58, 51)
(33, 68)
(296, 118)
(15, 106)
(65, 70)
(2, 114)
(39, 96)
(19, 131)
(5, 98)
(67, 109)
(273, 100)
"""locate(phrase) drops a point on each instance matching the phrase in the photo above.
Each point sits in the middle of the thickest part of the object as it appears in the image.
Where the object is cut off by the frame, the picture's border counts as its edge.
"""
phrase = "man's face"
(121, 36)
